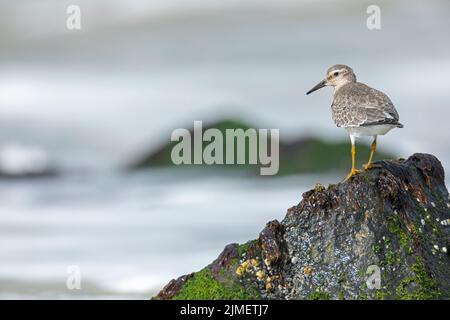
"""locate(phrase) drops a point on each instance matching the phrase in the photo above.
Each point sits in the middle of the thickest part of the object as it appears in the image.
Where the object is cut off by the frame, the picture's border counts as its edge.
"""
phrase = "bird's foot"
(369, 166)
(352, 173)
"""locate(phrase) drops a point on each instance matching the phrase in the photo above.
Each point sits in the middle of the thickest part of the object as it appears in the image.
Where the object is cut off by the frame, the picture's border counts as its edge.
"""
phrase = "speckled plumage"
(356, 104)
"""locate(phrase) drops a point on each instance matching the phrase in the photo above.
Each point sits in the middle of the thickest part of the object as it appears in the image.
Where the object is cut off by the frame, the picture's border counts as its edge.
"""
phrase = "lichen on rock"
(391, 219)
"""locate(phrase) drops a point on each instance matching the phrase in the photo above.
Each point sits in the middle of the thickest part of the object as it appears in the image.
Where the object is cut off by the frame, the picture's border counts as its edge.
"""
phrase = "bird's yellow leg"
(368, 165)
(353, 171)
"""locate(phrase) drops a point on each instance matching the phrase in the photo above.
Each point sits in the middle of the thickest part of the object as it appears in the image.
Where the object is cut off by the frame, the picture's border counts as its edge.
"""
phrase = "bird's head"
(336, 76)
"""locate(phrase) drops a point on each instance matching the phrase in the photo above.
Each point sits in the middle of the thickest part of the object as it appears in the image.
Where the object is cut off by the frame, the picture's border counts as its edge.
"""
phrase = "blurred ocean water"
(93, 101)
(128, 234)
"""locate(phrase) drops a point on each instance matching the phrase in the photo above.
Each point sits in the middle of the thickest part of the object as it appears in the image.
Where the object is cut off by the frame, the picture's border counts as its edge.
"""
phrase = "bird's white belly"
(370, 130)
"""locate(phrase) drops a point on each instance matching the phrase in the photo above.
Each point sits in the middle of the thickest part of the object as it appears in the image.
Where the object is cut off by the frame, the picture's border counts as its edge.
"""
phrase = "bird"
(361, 110)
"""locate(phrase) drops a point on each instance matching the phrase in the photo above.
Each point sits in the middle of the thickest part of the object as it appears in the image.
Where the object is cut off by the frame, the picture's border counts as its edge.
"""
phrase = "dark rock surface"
(173, 287)
(392, 220)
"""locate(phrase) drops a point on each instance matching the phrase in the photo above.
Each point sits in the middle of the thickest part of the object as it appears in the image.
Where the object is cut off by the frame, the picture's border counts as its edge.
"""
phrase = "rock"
(383, 234)
(272, 243)
(302, 155)
(225, 258)
(173, 287)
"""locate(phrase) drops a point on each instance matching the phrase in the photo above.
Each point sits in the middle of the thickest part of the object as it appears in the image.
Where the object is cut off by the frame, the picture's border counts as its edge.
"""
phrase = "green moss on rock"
(319, 295)
(380, 295)
(418, 287)
(203, 286)
(405, 239)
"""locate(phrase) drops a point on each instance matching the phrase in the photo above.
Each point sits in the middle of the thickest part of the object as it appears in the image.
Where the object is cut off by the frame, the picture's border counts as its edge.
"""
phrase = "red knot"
(359, 109)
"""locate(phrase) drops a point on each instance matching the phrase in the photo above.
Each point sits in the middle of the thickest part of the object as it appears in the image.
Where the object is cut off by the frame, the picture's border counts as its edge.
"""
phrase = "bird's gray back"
(356, 104)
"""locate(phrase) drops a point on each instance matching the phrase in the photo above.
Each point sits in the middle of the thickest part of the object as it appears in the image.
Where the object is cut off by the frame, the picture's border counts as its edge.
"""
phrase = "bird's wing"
(364, 106)
(378, 109)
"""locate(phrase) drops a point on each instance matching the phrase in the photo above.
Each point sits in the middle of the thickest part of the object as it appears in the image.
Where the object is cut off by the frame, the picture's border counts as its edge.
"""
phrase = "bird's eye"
(336, 74)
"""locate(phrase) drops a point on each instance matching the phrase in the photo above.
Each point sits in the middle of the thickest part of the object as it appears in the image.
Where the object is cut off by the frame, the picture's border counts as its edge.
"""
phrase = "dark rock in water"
(303, 155)
(383, 234)
(161, 156)
(48, 173)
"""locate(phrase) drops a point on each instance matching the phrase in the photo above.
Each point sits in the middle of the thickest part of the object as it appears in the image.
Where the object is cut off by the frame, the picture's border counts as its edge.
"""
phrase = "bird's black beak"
(321, 84)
